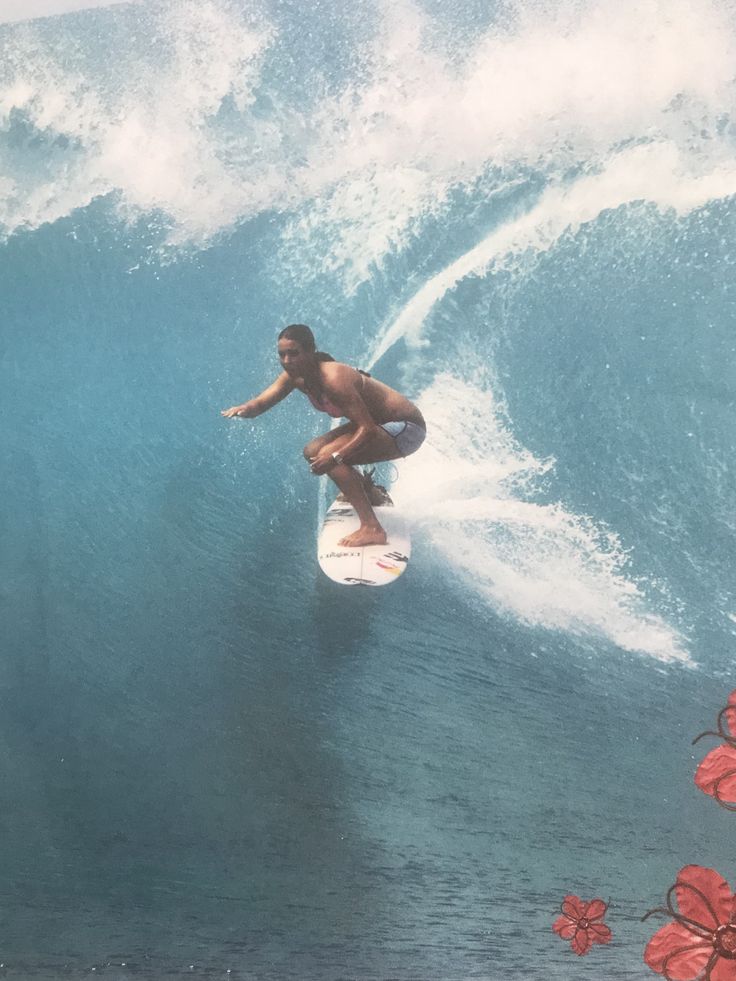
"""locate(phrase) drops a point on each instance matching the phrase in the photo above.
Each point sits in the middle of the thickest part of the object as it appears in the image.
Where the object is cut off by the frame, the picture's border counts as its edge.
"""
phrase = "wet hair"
(305, 339)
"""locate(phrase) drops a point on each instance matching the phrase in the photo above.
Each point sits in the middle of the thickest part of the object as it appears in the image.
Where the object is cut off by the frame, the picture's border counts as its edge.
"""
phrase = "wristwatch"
(337, 458)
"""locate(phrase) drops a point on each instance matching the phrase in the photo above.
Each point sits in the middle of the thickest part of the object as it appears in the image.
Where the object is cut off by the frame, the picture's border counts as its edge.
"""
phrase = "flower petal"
(565, 927)
(596, 909)
(574, 907)
(682, 953)
(729, 716)
(599, 933)
(581, 942)
(703, 896)
(724, 790)
(723, 970)
(718, 766)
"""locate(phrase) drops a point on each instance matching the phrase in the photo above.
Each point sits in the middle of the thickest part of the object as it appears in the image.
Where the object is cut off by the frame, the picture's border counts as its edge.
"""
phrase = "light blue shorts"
(407, 436)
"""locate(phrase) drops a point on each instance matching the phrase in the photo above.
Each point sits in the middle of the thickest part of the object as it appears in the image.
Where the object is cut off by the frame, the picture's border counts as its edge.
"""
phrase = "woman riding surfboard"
(382, 423)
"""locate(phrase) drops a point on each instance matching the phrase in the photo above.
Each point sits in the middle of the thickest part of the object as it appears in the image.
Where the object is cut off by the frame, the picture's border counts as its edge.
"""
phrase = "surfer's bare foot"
(365, 535)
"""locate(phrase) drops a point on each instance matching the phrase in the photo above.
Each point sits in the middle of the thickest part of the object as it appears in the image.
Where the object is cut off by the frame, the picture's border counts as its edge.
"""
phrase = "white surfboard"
(371, 565)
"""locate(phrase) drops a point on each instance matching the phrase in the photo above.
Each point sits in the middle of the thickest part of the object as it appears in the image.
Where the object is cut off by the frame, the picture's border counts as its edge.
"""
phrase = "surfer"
(382, 424)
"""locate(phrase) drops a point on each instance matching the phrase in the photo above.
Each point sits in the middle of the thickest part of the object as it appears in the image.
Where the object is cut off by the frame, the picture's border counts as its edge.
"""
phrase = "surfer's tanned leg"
(351, 483)
(352, 486)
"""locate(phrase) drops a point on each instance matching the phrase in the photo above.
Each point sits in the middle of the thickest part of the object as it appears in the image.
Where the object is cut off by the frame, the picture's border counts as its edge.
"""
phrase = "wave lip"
(184, 110)
(654, 173)
(149, 124)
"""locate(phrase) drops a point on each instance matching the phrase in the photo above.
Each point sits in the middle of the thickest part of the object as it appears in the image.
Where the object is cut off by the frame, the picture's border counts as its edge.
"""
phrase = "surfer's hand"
(321, 463)
(236, 410)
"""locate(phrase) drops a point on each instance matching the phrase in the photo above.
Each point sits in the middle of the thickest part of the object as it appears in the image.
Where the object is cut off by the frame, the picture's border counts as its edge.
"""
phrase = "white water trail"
(469, 489)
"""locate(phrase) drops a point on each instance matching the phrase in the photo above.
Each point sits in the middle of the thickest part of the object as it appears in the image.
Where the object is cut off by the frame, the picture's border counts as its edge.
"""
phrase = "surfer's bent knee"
(311, 449)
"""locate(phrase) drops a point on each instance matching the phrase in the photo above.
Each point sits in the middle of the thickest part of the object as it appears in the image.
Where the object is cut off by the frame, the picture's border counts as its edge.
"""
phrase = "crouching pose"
(382, 423)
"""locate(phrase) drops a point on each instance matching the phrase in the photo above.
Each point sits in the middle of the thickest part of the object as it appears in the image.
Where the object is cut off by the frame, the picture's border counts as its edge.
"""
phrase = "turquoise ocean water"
(520, 214)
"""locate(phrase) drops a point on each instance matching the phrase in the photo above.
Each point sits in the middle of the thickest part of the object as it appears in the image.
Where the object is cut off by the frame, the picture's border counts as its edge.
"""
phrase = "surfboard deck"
(371, 565)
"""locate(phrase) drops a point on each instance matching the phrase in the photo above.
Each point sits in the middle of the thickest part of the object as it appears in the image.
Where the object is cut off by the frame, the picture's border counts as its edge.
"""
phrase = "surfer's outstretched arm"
(269, 397)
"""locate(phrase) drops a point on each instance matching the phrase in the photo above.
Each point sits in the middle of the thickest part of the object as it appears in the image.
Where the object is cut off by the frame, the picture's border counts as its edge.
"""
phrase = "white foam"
(200, 129)
(141, 126)
(539, 563)
(16, 10)
(552, 92)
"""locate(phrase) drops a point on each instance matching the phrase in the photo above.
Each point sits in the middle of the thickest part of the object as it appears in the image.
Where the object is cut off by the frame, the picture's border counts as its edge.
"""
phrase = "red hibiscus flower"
(580, 923)
(703, 936)
(716, 775)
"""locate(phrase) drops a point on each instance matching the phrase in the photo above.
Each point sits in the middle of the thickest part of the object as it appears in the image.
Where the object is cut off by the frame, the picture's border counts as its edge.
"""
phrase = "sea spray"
(472, 491)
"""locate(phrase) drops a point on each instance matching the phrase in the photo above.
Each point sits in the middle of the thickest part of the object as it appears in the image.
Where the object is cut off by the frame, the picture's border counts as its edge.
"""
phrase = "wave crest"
(201, 115)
